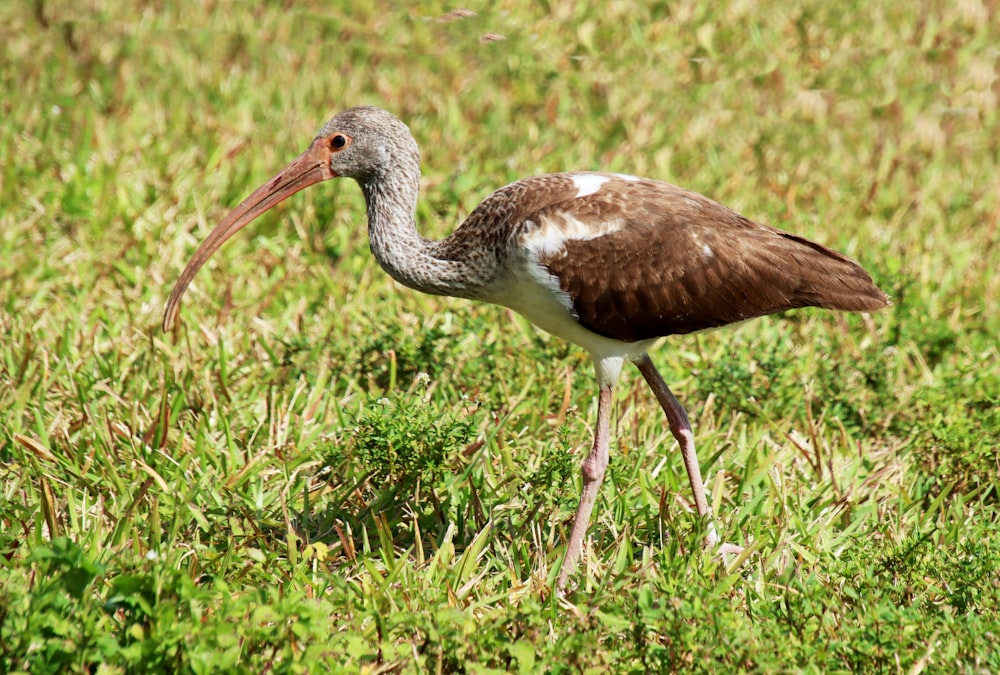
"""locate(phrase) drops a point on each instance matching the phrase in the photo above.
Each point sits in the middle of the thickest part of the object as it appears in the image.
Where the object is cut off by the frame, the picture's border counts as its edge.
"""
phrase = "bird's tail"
(831, 280)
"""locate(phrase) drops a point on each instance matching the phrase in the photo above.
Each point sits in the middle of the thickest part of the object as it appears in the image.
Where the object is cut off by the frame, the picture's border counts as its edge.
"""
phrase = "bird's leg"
(680, 427)
(593, 474)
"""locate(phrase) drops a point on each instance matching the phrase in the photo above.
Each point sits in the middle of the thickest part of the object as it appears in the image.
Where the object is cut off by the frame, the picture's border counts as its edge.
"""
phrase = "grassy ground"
(323, 471)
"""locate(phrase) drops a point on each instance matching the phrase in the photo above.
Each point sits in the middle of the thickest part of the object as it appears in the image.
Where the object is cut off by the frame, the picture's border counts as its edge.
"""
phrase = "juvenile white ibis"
(608, 261)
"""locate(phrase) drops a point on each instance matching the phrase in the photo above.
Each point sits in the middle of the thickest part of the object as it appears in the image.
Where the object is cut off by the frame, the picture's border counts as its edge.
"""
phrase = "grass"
(321, 471)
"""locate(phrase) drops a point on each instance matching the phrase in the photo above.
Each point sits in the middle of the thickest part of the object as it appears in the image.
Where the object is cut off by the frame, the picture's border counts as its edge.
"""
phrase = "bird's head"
(360, 143)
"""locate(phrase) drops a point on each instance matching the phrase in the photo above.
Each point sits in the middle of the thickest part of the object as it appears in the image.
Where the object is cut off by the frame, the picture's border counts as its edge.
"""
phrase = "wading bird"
(608, 261)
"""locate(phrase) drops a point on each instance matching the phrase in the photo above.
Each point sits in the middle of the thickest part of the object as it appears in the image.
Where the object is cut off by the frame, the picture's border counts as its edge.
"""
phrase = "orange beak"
(309, 168)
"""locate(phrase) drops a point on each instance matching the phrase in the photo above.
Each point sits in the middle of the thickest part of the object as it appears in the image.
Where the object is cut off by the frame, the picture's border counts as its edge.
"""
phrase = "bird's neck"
(400, 250)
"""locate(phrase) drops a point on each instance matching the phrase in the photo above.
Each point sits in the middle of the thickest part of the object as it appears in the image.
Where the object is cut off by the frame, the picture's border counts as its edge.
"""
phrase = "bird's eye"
(338, 141)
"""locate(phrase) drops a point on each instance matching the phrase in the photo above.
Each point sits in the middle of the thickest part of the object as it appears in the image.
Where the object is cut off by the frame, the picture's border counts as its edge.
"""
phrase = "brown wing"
(682, 263)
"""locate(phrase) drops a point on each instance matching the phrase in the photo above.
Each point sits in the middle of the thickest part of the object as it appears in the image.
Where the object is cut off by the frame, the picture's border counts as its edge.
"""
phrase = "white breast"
(535, 294)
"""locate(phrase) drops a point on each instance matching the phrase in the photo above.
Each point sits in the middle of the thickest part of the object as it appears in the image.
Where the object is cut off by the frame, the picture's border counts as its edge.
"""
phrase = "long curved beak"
(309, 168)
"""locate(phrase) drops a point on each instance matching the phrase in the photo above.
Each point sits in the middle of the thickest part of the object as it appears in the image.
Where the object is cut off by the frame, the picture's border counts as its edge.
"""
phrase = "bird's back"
(633, 259)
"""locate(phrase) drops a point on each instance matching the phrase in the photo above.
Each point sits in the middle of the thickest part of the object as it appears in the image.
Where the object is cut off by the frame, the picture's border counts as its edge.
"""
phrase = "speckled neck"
(409, 258)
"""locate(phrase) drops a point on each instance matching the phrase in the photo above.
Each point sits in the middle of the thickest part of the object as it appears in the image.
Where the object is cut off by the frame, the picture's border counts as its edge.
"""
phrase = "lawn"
(320, 470)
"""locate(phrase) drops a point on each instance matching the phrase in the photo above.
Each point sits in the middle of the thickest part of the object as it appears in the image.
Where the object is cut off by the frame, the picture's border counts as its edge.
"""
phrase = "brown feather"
(683, 263)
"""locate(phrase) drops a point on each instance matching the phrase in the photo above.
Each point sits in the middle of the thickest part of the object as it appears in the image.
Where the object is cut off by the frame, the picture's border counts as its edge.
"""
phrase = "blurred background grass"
(322, 469)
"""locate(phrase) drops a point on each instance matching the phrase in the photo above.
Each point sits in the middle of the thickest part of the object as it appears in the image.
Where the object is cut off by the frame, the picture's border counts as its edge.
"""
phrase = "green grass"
(323, 471)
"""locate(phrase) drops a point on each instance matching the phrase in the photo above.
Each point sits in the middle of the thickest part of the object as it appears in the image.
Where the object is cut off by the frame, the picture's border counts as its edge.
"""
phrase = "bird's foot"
(727, 549)
(724, 550)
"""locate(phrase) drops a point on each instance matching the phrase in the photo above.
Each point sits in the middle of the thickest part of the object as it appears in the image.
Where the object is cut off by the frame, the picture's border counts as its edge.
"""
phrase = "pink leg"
(680, 427)
(593, 474)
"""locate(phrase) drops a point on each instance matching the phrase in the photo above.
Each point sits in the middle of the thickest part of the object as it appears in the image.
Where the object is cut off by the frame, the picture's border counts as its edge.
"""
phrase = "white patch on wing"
(706, 250)
(544, 241)
(588, 183)
(626, 177)
(548, 238)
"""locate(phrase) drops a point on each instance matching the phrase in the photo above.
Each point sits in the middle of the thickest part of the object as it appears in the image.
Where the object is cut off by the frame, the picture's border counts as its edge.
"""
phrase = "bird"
(608, 261)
